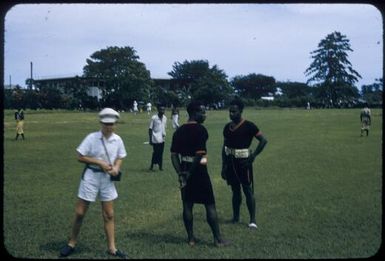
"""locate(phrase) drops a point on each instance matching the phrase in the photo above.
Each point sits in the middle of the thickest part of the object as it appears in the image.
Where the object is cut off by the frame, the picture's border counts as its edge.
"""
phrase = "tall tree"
(126, 78)
(200, 81)
(331, 70)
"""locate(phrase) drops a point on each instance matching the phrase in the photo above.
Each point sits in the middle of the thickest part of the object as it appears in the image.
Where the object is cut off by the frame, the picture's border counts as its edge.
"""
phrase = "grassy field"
(318, 187)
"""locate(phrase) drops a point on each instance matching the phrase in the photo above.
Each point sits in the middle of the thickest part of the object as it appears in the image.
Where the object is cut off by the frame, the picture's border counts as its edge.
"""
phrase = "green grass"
(318, 187)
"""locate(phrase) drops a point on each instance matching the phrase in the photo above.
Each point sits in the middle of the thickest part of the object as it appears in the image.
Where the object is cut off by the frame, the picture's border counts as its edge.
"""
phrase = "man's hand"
(113, 171)
(182, 178)
(105, 166)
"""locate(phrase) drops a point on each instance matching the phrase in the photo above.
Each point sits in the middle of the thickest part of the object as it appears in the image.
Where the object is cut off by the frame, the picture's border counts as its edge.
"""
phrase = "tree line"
(331, 83)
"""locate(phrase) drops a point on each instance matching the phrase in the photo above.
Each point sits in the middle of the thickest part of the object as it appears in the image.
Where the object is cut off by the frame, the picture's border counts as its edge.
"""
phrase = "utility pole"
(30, 82)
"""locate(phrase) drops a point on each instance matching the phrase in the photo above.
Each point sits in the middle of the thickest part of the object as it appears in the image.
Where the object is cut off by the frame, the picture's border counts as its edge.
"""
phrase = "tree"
(126, 79)
(373, 93)
(332, 71)
(199, 81)
(294, 89)
(253, 85)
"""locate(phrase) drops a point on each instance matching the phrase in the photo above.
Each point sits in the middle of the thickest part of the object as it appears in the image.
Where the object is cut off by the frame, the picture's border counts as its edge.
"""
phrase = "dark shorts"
(236, 174)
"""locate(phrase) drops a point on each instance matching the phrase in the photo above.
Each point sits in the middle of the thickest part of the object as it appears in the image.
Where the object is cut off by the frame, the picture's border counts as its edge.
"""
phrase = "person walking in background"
(366, 119)
(135, 107)
(237, 159)
(97, 150)
(149, 108)
(175, 117)
(189, 159)
(19, 117)
(157, 135)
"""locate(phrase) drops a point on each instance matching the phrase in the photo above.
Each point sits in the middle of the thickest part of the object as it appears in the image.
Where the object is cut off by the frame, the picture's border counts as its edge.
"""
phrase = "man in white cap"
(102, 152)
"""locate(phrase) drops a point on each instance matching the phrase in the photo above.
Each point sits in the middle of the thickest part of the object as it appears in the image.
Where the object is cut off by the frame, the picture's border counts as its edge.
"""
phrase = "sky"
(270, 39)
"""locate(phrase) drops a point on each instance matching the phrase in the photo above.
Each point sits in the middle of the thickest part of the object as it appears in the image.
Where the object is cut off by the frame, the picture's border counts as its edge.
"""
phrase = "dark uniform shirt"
(189, 140)
(239, 137)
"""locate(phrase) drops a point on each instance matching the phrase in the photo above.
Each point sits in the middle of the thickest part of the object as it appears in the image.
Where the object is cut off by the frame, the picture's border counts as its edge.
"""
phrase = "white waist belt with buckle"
(187, 158)
(237, 153)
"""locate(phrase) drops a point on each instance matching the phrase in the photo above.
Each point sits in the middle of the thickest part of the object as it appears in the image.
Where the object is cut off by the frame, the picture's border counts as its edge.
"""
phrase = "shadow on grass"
(152, 238)
(55, 246)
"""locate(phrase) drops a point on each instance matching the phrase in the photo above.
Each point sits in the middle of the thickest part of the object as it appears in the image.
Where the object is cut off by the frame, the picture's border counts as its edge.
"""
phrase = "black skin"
(235, 114)
(199, 117)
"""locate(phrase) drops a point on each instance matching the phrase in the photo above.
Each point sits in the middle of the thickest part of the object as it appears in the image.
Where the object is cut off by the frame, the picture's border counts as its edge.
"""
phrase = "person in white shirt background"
(157, 135)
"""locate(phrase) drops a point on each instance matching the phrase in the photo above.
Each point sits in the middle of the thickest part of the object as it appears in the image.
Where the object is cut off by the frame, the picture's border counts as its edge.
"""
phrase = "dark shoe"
(118, 253)
(66, 251)
(222, 243)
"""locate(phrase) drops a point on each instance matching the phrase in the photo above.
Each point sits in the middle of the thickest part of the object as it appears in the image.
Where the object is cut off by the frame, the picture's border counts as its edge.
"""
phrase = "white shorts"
(97, 183)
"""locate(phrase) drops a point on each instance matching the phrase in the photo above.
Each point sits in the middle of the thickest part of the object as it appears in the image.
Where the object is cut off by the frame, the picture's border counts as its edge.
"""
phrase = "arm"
(89, 160)
(261, 145)
(175, 162)
(224, 163)
(116, 168)
(182, 175)
(150, 136)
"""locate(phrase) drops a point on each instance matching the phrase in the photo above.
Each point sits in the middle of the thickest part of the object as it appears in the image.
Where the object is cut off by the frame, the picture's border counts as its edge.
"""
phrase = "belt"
(237, 153)
(94, 169)
(187, 159)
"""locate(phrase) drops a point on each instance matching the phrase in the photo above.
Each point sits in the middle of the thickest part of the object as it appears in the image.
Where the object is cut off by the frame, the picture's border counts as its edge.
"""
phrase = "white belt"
(187, 158)
(237, 153)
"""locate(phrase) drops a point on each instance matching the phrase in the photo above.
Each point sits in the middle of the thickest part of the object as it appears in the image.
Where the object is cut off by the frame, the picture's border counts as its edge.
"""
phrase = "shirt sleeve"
(201, 144)
(85, 146)
(255, 130)
(174, 144)
(151, 123)
(122, 153)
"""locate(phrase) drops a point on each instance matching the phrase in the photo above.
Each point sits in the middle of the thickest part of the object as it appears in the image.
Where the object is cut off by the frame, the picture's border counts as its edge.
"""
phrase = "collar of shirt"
(110, 139)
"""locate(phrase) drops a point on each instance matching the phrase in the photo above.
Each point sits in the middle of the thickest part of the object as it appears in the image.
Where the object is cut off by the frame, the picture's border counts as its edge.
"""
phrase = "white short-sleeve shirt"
(99, 183)
(92, 146)
(158, 127)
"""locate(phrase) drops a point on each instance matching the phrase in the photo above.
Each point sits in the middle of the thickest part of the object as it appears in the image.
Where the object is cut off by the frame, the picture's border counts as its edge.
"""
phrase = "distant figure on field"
(157, 135)
(135, 107)
(308, 106)
(366, 120)
(175, 117)
(149, 108)
(19, 117)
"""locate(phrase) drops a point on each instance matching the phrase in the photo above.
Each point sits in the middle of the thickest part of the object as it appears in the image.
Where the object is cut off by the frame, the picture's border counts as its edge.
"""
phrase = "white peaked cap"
(108, 115)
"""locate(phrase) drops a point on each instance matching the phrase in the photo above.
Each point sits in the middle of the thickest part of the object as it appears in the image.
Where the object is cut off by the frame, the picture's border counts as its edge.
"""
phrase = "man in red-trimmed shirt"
(189, 159)
(238, 158)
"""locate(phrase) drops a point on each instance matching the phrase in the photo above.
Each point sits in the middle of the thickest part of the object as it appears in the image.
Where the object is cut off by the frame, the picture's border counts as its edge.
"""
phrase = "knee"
(211, 214)
(248, 191)
(80, 213)
(108, 215)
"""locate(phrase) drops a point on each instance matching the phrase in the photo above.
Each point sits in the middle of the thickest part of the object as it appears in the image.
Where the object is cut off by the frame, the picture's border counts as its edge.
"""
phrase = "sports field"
(318, 187)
